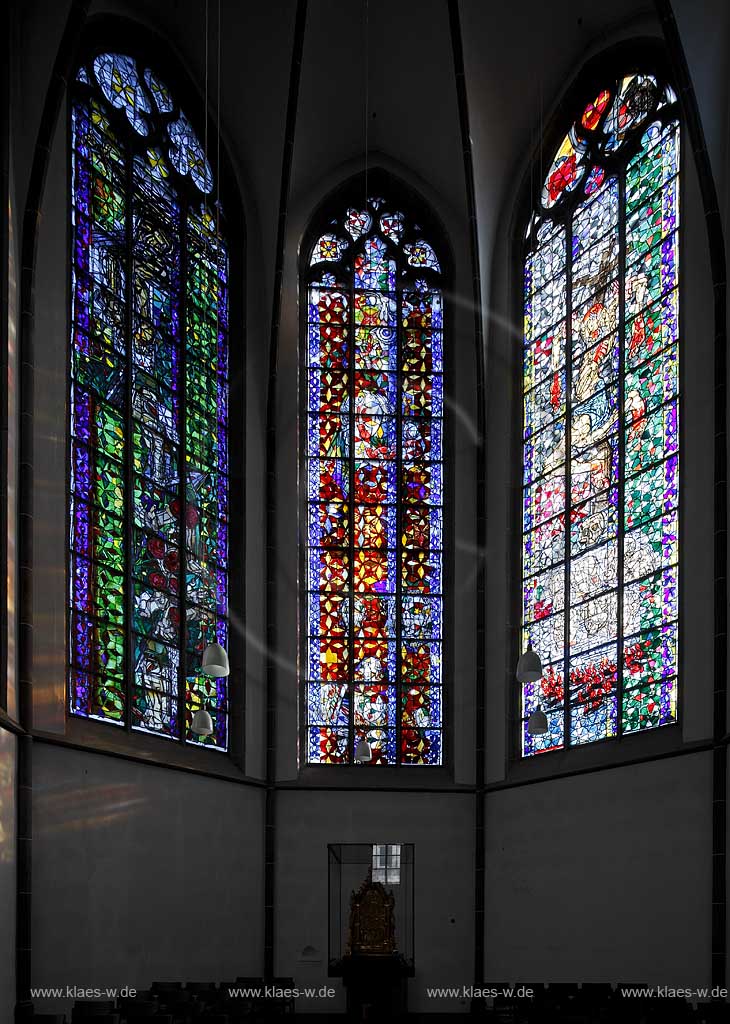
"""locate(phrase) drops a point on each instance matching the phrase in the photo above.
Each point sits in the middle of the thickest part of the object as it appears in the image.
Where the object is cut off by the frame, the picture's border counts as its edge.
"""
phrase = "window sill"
(609, 753)
(98, 738)
(392, 777)
(11, 724)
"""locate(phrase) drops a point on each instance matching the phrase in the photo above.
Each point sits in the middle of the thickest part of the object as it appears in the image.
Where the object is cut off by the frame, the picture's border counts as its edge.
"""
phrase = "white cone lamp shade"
(537, 723)
(363, 752)
(202, 723)
(529, 667)
(215, 661)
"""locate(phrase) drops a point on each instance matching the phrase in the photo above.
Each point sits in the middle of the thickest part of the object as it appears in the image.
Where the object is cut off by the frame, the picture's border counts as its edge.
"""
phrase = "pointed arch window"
(148, 499)
(600, 422)
(372, 429)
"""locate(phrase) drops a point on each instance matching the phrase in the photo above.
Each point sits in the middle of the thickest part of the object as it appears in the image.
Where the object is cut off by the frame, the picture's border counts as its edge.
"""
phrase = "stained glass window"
(148, 581)
(373, 429)
(600, 438)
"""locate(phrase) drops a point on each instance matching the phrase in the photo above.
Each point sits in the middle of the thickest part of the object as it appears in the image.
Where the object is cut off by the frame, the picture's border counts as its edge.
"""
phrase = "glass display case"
(371, 919)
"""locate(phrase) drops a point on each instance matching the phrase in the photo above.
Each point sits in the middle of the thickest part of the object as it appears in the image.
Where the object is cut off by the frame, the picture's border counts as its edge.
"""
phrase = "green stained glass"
(143, 340)
(202, 336)
(603, 241)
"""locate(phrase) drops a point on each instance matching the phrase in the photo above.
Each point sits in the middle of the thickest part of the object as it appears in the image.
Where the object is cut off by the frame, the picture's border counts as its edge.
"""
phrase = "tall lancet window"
(600, 455)
(372, 434)
(148, 577)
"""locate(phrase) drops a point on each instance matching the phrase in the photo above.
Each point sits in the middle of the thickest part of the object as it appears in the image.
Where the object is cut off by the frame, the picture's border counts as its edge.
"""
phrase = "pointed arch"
(150, 386)
(373, 268)
(600, 438)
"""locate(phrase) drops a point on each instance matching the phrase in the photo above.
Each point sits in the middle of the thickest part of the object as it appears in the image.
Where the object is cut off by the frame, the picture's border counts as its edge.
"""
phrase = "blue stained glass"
(122, 187)
(187, 156)
(327, 746)
(373, 267)
(159, 92)
(543, 595)
(421, 254)
(392, 224)
(119, 80)
(329, 248)
(615, 398)
(374, 436)
(357, 222)
(376, 348)
(552, 740)
(544, 546)
(421, 617)
(329, 524)
(635, 98)
(328, 704)
(375, 706)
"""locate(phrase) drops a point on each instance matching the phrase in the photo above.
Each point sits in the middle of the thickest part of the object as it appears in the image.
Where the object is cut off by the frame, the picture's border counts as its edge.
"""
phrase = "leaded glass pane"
(373, 423)
(600, 423)
(148, 410)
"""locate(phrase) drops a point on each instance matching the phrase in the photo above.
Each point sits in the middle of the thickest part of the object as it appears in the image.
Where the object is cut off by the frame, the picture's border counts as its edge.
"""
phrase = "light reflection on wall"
(12, 450)
(7, 797)
(86, 807)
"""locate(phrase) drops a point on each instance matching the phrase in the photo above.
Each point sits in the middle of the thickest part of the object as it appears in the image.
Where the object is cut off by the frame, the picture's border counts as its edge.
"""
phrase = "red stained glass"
(333, 658)
(417, 351)
(370, 523)
(416, 527)
(372, 647)
(333, 569)
(592, 113)
(333, 524)
(374, 384)
(332, 308)
(418, 393)
(330, 481)
(415, 747)
(372, 621)
(417, 483)
(562, 176)
(332, 346)
(371, 483)
(417, 571)
(371, 571)
(333, 390)
(331, 608)
(331, 749)
(416, 664)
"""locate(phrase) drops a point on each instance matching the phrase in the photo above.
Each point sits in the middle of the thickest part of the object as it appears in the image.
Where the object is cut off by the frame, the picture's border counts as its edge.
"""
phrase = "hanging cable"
(218, 176)
(367, 92)
(205, 108)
